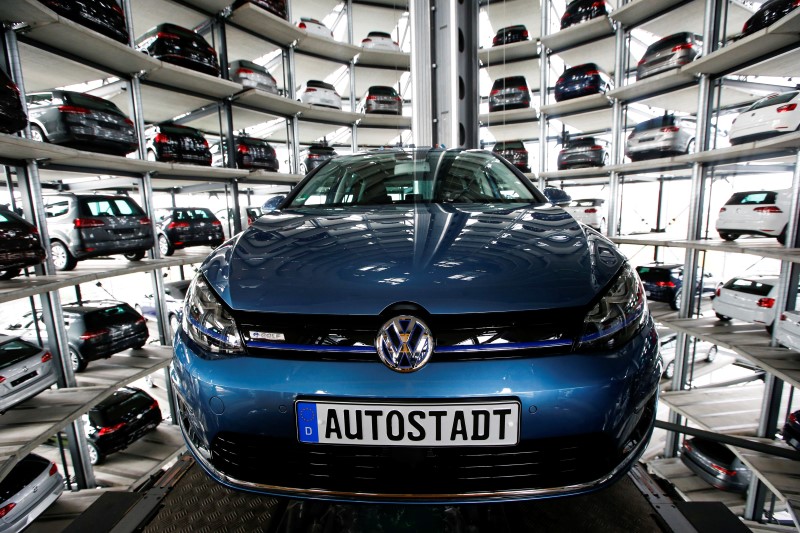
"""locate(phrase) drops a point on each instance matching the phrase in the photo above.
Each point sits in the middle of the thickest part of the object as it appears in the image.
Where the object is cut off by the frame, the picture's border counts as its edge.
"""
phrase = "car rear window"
(382, 90)
(380, 34)
(179, 130)
(192, 214)
(581, 141)
(749, 286)
(16, 350)
(85, 100)
(752, 198)
(118, 207)
(110, 316)
(320, 85)
(653, 123)
(774, 99)
(512, 81)
(114, 412)
(587, 203)
(669, 42)
(653, 274)
(324, 149)
(509, 145)
(23, 474)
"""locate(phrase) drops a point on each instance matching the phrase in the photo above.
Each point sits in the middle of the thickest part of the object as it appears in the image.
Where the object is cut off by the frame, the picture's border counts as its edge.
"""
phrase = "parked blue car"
(663, 282)
(416, 326)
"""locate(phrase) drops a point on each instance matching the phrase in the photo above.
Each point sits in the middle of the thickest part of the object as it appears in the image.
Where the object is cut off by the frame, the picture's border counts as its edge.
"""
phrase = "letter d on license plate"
(436, 424)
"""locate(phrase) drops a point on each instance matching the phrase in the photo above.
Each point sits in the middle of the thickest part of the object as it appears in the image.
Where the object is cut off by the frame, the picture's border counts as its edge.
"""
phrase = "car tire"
(722, 317)
(10, 273)
(782, 236)
(669, 371)
(37, 134)
(690, 146)
(711, 354)
(165, 246)
(151, 156)
(77, 361)
(725, 236)
(675, 303)
(770, 328)
(606, 160)
(134, 256)
(62, 259)
(95, 457)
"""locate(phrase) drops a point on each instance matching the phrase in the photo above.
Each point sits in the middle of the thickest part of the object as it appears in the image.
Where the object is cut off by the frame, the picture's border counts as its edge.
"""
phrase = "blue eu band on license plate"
(434, 424)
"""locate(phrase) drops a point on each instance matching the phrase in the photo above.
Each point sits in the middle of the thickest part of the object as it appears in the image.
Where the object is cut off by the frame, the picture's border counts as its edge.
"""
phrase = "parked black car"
(509, 93)
(663, 282)
(20, 245)
(768, 13)
(515, 152)
(95, 330)
(276, 7)
(102, 16)
(557, 196)
(583, 152)
(119, 420)
(715, 464)
(12, 116)
(582, 10)
(179, 46)
(381, 99)
(582, 80)
(316, 154)
(669, 53)
(182, 227)
(84, 226)
(178, 144)
(511, 34)
(251, 153)
(791, 430)
(80, 120)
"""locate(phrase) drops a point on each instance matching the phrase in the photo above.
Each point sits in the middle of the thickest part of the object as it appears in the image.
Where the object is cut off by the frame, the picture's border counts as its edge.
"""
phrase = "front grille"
(350, 337)
(540, 464)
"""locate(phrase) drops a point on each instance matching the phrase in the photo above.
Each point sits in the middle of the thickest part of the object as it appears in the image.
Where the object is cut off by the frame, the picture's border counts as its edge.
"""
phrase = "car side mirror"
(272, 204)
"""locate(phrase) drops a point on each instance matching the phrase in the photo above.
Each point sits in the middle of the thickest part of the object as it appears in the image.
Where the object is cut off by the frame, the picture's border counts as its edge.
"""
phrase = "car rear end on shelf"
(770, 116)
(315, 27)
(381, 99)
(791, 430)
(250, 74)
(110, 225)
(316, 155)
(101, 329)
(591, 212)
(755, 213)
(669, 53)
(380, 40)
(276, 7)
(188, 226)
(583, 152)
(581, 80)
(317, 92)
(179, 144)
(509, 93)
(665, 135)
(511, 34)
(716, 464)
(514, 152)
(123, 418)
(25, 370)
(179, 46)
(660, 281)
(579, 11)
(749, 299)
(253, 153)
(12, 115)
(20, 245)
(768, 13)
(29, 488)
(103, 16)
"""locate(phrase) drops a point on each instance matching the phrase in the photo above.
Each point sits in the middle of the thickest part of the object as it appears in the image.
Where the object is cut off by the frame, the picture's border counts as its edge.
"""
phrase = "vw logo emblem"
(404, 344)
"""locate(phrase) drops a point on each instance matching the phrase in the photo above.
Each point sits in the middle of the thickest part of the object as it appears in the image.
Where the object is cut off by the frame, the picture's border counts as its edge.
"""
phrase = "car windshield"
(16, 350)
(399, 177)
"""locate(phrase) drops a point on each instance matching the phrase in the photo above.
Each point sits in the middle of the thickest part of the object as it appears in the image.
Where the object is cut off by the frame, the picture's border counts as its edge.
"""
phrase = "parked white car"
(750, 298)
(316, 92)
(772, 115)
(314, 26)
(380, 40)
(590, 211)
(249, 214)
(788, 331)
(755, 213)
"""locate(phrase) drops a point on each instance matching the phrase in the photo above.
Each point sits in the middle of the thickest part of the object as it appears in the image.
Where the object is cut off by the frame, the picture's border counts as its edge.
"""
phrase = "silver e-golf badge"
(404, 343)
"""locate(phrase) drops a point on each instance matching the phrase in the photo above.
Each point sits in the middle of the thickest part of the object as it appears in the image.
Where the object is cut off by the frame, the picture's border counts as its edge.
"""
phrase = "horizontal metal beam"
(106, 183)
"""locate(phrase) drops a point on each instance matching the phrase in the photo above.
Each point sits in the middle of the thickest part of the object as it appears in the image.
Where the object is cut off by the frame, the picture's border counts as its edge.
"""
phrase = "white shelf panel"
(780, 474)
(27, 11)
(783, 65)
(388, 121)
(762, 247)
(190, 80)
(528, 68)
(652, 85)
(577, 105)
(259, 177)
(266, 24)
(599, 52)
(635, 12)
(573, 173)
(148, 14)
(328, 47)
(198, 171)
(759, 44)
(589, 121)
(749, 151)
(498, 118)
(690, 486)
(158, 104)
(511, 12)
(508, 52)
(42, 71)
(591, 30)
(324, 114)
(212, 6)
(30, 423)
(512, 132)
(269, 102)
(384, 58)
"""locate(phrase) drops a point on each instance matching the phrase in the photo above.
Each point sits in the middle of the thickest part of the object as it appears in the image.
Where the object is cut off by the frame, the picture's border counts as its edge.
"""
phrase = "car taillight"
(562, 151)
(53, 470)
(524, 34)
(167, 35)
(783, 317)
(7, 509)
(46, 357)
(768, 209)
(787, 107)
(665, 284)
(372, 97)
(496, 39)
(128, 121)
(591, 73)
(92, 335)
(250, 219)
(154, 405)
(161, 138)
(314, 156)
(494, 92)
(205, 142)
(110, 429)
(74, 109)
(684, 46)
(792, 418)
(766, 303)
(722, 209)
(598, 5)
(366, 41)
(302, 25)
(596, 147)
(590, 210)
(687, 446)
(216, 223)
(560, 80)
(671, 129)
(642, 61)
(718, 291)
(242, 149)
(86, 222)
(522, 89)
(144, 221)
(141, 320)
(310, 90)
(173, 225)
(2, 379)
(723, 470)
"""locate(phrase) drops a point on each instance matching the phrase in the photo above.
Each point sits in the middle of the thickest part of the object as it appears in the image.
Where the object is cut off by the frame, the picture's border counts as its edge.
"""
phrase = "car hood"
(444, 258)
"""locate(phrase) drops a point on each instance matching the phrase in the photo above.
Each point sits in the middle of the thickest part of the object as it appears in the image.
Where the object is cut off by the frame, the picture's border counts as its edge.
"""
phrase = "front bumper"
(585, 418)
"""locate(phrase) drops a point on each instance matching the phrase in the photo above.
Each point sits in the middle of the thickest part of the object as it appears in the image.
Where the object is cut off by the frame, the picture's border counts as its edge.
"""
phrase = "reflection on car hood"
(445, 258)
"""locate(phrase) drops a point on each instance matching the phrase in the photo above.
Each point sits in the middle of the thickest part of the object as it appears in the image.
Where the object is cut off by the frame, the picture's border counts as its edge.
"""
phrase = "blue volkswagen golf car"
(416, 326)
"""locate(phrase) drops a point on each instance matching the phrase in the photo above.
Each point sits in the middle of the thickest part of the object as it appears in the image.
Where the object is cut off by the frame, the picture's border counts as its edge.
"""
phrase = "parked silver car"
(25, 371)
(661, 136)
(669, 53)
(30, 488)
(253, 75)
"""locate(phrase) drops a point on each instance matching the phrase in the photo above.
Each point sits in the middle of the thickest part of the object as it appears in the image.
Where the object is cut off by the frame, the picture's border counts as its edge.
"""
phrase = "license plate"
(429, 424)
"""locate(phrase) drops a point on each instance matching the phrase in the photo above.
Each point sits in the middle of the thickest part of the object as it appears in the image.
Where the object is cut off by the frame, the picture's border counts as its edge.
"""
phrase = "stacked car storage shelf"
(56, 52)
(606, 41)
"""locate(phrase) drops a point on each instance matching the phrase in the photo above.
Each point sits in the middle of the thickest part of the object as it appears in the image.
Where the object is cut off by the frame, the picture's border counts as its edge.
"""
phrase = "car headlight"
(207, 322)
(618, 315)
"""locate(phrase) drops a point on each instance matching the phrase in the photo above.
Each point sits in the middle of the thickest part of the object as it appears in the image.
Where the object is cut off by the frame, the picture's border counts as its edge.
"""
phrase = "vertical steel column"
(294, 125)
(617, 133)
(422, 68)
(544, 79)
(30, 190)
(354, 126)
(349, 7)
